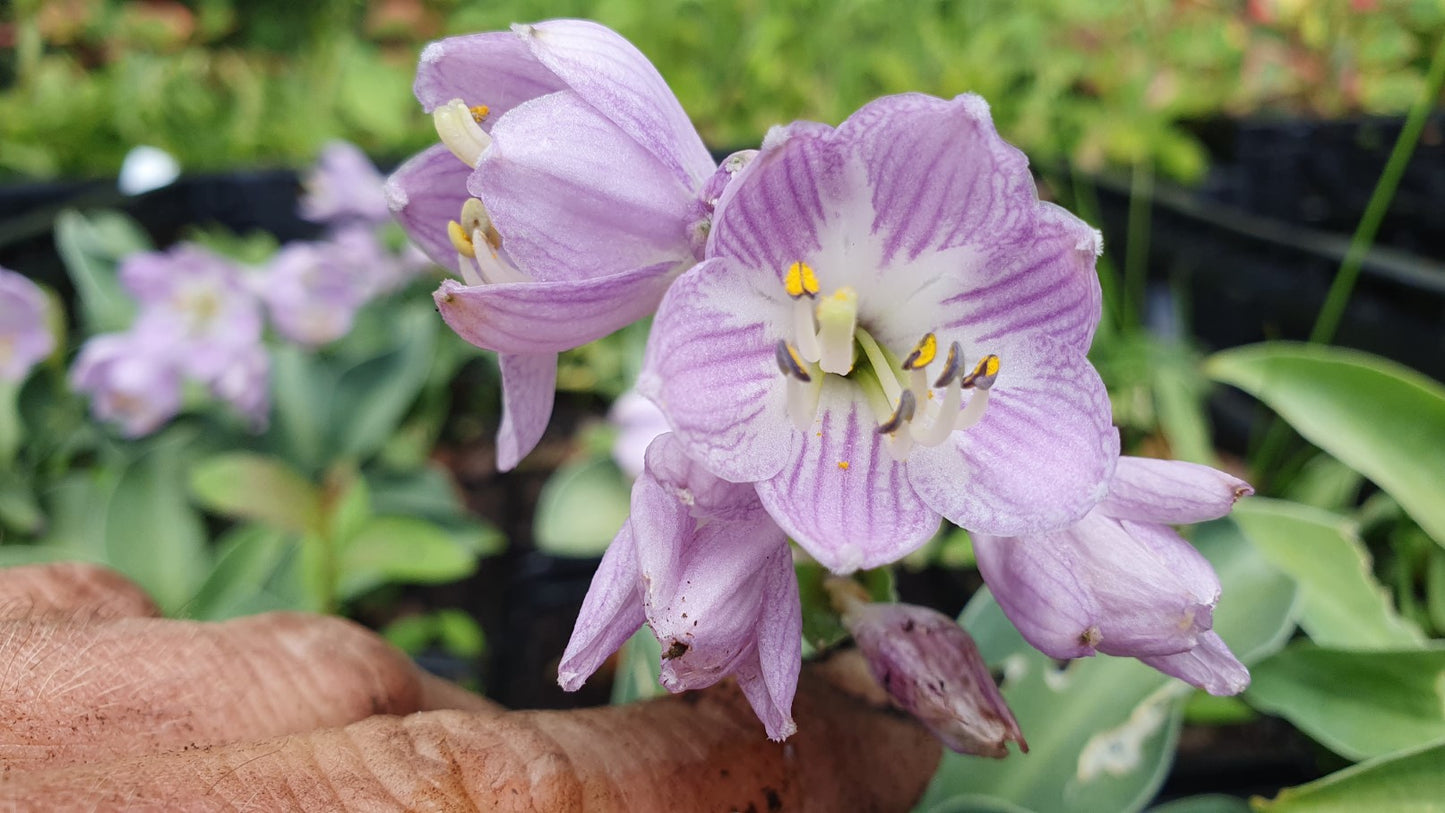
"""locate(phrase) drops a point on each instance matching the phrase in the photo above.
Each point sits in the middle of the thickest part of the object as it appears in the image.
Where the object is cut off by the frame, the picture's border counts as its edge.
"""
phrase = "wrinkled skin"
(105, 706)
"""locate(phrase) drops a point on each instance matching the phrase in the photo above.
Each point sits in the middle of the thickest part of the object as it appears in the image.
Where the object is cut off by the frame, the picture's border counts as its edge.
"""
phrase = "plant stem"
(1136, 253)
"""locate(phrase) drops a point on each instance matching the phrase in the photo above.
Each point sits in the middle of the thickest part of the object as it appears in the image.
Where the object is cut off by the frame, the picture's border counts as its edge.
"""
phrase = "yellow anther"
(902, 415)
(790, 363)
(461, 241)
(800, 280)
(843, 465)
(983, 374)
(479, 112)
(923, 353)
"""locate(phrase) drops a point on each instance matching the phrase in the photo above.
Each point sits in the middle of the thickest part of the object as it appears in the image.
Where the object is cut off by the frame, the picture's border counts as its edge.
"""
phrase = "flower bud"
(933, 670)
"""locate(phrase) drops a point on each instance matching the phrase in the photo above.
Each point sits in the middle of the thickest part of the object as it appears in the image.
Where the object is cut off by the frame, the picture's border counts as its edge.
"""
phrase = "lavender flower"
(638, 423)
(703, 565)
(312, 293)
(25, 338)
(568, 192)
(344, 187)
(1121, 581)
(133, 380)
(933, 669)
(889, 327)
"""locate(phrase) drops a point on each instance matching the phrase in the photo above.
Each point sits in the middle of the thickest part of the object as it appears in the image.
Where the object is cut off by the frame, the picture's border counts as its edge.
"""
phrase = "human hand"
(103, 706)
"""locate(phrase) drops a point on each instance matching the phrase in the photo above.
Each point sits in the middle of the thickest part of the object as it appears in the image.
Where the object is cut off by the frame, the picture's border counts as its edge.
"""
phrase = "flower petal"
(615, 78)
(529, 384)
(493, 68)
(1040, 458)
(711, 365)
(610, 614)
(548, 317)
(1037, 587)
(779, 650)
(574, 196)
(1170, 492)
(842, 496)
(1209, 665)
(424, 195)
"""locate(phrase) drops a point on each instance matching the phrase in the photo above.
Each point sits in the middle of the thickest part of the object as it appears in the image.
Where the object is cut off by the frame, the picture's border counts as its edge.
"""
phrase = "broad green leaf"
(152, 534)
(1359, 704)
(255, 572)
(638, 667)
(1382, 419)
(92, 248)
(457, 633)
(1408, 782)
(249, 486)
(18, 507)
(301, 395)
(822, 627)
(581, 508)
(372, 398)
(401, 549)
(1343, 604)
(1102, 730)
(1209, 803)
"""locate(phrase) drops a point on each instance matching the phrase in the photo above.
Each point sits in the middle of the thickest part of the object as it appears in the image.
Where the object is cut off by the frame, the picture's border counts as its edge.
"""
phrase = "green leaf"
(372, 398)
(1409, 782)
(256, 571)
(822, 627)
(1209, 803)
(1102, 730)
(1344, 606)
(638, 667)
(1380, 418)
(248, 486)
(92, 248)
(457, 632)
(1359, 704)
(152, 534)
(301, 395)
(401, 549)
(581, 508)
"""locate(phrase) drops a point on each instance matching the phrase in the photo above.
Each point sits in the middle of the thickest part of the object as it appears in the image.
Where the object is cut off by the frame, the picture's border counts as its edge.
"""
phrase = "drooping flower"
(25, 338)
(704, 566)
(199, 303)
(1121, 581)
(568, 191)
(132, 378)
(344, 187)
(932, 668)
(889, 327)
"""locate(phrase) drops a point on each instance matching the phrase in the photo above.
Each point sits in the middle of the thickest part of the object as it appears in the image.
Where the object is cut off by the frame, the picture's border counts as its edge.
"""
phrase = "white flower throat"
(828, 340)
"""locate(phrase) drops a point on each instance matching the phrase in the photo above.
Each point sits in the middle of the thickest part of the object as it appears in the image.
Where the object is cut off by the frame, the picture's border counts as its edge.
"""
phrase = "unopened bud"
(933, 670)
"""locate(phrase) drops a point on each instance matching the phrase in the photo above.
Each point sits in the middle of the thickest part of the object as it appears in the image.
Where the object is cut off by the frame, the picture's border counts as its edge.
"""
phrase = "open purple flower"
(344, 187)
(568, 192)
(25, 338)
(701, 563)
(132, 378)
(1121, 581)
(312, 291)
(889, 327)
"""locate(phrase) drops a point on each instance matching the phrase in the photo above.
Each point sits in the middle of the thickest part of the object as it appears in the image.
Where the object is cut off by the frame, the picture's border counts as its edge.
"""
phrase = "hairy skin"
(104, 707)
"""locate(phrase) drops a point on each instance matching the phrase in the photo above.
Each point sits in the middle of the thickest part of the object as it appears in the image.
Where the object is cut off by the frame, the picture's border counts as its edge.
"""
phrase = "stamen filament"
(803, 401)
(459, 131)
(878, 359)
(943, 418)
(973, 412)
(805, 331)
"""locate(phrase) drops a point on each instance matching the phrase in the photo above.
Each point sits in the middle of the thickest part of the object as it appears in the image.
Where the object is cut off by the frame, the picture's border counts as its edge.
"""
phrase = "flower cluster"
(201, 317)
(860, 331)
(25, 338)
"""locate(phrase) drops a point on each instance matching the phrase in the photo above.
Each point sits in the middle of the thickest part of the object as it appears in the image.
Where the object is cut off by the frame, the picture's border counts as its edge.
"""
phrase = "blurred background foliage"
(221, 83)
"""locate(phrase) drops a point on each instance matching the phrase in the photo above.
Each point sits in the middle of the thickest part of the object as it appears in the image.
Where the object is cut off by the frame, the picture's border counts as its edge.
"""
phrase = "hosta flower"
(344, 187)
(638, 423)
(246, 385)
(1121, 581)
(568, 191)
(889, 327)
(133, 380)
(702, 564)
(312, 291)
(199, 303)
(25, 338)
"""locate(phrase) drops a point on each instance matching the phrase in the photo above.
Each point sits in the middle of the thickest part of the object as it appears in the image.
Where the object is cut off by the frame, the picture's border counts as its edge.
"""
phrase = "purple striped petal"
(706, 496)
(1037, 587)
(426, 193)
(529, 384)
(711, 366)
(610, 613)
(1170, 492)
(1040, 458)
(1209, 665)
(615, 78)
(574, 195)
(779, 649)
(495, 69)
(548, 317)
(842, 496)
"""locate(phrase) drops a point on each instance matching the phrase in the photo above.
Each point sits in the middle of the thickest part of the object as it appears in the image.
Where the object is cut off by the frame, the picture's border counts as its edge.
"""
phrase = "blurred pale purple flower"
(702, 564)
(344, 187)
(638, 423)
(567, 192)
(867, 291)
(199, 303)
(1121, 581)
(312, 292)
(25, 338)
(133, 380)
(933, 670)
(246, 386)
